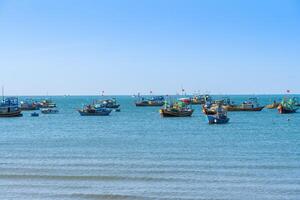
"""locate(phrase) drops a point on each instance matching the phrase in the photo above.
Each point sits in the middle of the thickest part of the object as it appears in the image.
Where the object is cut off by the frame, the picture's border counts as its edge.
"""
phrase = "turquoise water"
(136, 154)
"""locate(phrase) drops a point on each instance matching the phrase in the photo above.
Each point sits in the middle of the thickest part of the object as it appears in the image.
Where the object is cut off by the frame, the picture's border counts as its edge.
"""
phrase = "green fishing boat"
(288, 106)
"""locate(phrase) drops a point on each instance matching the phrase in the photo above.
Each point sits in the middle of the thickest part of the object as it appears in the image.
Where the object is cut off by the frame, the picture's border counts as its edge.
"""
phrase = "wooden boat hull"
(171, 113)
(12, 114)
(213, 119)
(207, 111)
(238, 108)
(102, 113)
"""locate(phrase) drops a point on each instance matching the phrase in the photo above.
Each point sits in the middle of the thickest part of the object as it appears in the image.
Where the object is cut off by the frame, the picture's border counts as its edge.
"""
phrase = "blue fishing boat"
(94, 110)
(109, 103)
(219, 118)
(34, 114)
(153, 101)
(9, 107)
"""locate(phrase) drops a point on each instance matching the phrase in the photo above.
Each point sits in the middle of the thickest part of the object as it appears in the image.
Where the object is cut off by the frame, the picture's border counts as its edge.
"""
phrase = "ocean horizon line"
(158, 94)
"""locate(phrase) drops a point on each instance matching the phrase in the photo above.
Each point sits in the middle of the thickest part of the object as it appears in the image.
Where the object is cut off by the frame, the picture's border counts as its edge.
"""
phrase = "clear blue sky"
(130, 46)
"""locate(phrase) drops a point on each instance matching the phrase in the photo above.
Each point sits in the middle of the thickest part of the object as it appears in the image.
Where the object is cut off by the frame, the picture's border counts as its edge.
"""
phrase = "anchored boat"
(178, 109)
(94, 110)
(47, 103)
(9, 107)
(34, 114)
(201, 99)
(210, 108)
(109, 103)
(219, 118)
(287, 106)
(29, 105)
(250, 105)
(153, 101)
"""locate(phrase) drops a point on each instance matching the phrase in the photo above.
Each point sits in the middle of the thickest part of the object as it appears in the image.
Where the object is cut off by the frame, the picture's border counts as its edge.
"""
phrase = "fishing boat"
(287, 106)
(29, 105)
(9, 107)
(250, 105)
(94, 110)
(49, 111)
(109, 103)
(196, 100)
(225, 101)
(34, 114)
(178, 109)
(219, 118)
(153, 101)
(46, 103)
(210, 107)
(200, 99)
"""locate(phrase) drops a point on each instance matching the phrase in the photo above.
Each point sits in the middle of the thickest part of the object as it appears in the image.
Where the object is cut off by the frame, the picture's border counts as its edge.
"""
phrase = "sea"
(136, 154)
